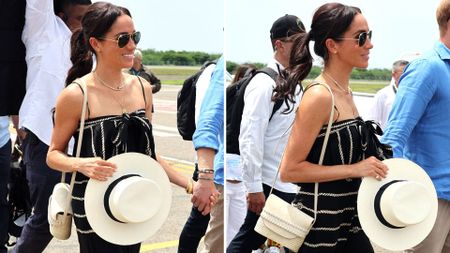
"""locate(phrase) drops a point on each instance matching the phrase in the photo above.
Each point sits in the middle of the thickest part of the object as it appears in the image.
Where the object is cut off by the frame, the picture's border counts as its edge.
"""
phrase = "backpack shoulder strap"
(276, 106)
(273, 74)
(268, 71)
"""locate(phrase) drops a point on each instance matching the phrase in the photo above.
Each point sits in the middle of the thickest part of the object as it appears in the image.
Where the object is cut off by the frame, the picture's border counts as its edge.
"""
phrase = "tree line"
(197, 58)
(178, 58)
(357, 74)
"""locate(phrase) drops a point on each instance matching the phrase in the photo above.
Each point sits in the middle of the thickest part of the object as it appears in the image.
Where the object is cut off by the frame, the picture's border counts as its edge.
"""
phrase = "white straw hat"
(398, 212)
(131, 205)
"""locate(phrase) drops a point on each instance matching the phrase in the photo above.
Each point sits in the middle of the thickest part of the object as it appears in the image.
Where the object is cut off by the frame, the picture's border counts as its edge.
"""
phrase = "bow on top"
(370, 143)
(134, 133)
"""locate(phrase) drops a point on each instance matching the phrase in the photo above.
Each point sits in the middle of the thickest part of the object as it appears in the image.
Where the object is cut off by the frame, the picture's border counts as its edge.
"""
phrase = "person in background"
(242, 71)
(419, 123)
(342, 38)
(262, 139)
(5, 158)
(197, 223)
(235, 202)
(208, 142)
(46, 35)
(13, 70)
(138, 69)
(384, 98)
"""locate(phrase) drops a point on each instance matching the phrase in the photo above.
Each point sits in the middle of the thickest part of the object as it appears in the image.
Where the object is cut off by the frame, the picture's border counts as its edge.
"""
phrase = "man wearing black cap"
(263, 136)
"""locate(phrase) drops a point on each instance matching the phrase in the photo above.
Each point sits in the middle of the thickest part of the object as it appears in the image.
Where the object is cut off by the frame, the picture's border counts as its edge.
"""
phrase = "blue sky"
(399, 26)
(195, 25)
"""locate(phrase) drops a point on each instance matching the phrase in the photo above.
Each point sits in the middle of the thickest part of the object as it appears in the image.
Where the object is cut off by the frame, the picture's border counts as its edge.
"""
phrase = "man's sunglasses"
(362, 38)
(123, 39)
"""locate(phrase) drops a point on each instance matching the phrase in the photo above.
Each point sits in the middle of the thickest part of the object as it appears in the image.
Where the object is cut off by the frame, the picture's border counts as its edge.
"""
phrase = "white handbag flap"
(284, 219)
(58, 200)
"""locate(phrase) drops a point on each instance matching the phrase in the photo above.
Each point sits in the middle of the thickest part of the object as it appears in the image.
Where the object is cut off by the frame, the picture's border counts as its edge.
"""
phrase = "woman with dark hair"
(118, 112)
(342, 39)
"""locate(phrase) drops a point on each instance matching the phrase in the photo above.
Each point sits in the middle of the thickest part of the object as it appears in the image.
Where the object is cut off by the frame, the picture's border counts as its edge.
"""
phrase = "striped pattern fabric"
(105, 137)
(337, 228)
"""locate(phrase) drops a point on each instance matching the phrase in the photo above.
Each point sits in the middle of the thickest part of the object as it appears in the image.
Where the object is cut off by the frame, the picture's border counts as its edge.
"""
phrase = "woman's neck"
(341, 75)
(112, 77)
(337, 76)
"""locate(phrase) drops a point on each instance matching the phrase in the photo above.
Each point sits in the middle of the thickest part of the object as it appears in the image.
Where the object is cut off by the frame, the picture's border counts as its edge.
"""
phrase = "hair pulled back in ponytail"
(330, 20)
(300, 63)
(96, 22)
(81, 57)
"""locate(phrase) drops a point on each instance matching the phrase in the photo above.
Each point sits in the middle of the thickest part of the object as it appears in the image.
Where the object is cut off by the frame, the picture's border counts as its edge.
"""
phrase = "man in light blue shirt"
(419, 125)
(208, 141)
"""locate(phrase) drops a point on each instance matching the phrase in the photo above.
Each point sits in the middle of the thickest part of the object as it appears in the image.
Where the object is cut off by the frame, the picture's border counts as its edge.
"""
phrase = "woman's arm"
(67, 117)
(174, 176)
(312, 114)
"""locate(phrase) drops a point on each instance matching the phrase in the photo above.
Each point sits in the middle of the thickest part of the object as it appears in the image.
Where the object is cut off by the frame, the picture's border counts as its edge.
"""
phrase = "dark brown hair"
(330, 20)
(243, 69)
(97, 21)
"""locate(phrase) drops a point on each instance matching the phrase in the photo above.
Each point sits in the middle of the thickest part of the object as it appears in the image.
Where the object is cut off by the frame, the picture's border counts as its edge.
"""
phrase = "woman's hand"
(370, 167)
(205, 195)
(95, 168)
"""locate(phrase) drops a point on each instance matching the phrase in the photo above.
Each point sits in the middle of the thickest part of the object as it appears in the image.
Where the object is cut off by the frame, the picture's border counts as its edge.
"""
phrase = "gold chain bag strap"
(59, 205)
(281, 221)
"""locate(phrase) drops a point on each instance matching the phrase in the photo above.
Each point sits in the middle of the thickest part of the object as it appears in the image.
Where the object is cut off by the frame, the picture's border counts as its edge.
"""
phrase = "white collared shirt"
(262, 143)
(200, 88)
(382, 105)
(47, 41)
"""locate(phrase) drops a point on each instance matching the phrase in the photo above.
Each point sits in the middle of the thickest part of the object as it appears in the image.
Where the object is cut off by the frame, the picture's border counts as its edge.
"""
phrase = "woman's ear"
(331, 46)
(95, 44)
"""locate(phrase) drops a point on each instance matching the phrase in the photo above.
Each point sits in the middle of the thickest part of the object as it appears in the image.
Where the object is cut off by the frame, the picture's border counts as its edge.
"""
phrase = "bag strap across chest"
(322, 152)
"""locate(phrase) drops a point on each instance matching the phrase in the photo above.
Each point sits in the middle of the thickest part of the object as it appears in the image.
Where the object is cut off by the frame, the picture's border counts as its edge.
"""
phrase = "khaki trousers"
(439, 238)
(214, 233)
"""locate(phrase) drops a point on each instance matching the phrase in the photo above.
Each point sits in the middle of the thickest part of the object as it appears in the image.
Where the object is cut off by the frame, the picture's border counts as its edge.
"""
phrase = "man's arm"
(38, 15)
(206, 138)
(154, 81)
(255, 119)
(416, 89)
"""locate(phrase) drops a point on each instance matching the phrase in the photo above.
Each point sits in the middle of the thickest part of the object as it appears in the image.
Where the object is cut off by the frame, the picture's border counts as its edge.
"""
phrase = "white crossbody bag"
(59, 205)
(281, 221)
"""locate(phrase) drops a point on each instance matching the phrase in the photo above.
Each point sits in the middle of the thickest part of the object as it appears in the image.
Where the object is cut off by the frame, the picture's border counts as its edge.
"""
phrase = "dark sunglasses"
(123, 39)
(362, 38)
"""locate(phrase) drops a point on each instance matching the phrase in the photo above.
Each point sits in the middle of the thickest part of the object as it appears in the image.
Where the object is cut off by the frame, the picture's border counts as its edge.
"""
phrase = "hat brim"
(127, 233)
(381, 235)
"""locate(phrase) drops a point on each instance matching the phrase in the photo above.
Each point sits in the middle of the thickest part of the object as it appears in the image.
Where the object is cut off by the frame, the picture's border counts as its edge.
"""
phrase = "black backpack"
(235, 107)
(186, 104)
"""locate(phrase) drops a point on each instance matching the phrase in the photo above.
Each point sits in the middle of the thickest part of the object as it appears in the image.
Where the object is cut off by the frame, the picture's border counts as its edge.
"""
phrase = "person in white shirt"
(46, 35)
(197, 223)
(384, 98)
(261, 142)
(235, 191)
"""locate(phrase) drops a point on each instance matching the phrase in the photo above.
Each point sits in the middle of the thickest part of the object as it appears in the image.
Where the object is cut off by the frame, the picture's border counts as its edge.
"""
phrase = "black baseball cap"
(286, 26)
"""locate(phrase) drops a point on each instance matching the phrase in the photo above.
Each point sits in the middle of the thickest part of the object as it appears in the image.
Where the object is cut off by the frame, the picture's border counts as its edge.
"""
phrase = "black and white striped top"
(105, 137)
(337, 219)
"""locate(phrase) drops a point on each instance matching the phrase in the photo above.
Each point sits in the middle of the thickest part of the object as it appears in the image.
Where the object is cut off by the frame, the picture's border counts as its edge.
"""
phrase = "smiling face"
(347, 49)
(107, 48)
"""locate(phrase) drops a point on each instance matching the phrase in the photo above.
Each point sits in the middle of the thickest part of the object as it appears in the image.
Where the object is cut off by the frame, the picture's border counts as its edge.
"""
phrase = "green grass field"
(367, 86)
(177, 74)
(173, 74)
